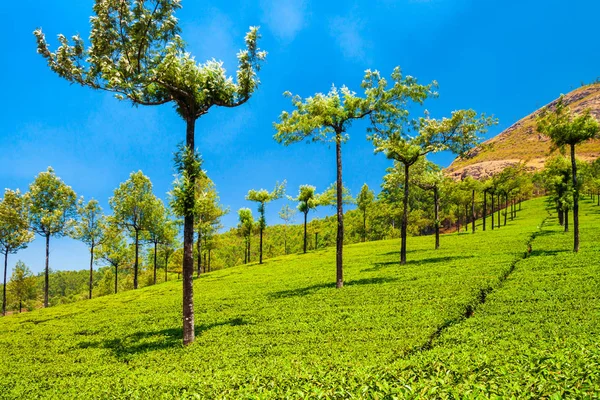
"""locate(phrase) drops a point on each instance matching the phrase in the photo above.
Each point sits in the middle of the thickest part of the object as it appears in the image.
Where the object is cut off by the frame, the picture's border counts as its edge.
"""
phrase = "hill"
(481, 317)
(522, 143)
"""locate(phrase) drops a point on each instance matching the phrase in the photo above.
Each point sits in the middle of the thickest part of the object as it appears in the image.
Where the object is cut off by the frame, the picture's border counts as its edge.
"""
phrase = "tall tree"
(287, 215)
(90, 229)
(364, 201)
(136, 52)
(457, 134)
(14, 230)
(245, 226)
(115, 250)
(208, 213)
(430, 177)
(132, 205)
(22, 286)
(52, 212)
(157, 223)
(262, 197)
(327, 117)
(568, 130)
(307, 200)
(169, 242)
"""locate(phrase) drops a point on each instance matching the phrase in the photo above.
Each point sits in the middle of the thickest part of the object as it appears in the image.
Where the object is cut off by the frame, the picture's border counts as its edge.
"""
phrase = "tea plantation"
(482, 317)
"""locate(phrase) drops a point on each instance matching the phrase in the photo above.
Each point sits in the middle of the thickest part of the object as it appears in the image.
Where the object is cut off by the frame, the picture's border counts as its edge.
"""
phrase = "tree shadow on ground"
(396, 263)
(305, 291)
(141, 341)
(537, 253)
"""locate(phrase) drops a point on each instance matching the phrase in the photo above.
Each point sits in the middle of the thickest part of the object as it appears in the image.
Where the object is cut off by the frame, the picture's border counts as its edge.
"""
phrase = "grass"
(473, 319)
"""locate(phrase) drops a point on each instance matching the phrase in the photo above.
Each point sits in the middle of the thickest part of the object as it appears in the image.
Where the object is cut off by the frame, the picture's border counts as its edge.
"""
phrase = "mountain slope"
(522, 143)
(282, 330)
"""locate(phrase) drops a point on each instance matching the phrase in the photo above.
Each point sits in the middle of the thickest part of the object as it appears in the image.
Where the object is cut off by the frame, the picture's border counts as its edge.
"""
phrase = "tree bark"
(499, 208)
(339, 283)
(561, 215)
(116, 278)
(473, 210)
(505, 208)
(305, 238)
(493, 212)
(188, 254)
(484, 208)
(208, 265)
(166, 264)
(458, 218)
(316, 240)
(575, 201)
(46, 274)
(404, 226)
(436, 206)
(4, 286)
(261, 246)
(135, 265)
(566, 220)
(364, 226)
(155, 245)
(199, 250)
(91, 269)
(249, 253)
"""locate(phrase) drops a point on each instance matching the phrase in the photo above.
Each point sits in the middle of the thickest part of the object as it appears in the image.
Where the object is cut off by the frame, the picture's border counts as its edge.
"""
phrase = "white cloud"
(347, 32)
(285, 18)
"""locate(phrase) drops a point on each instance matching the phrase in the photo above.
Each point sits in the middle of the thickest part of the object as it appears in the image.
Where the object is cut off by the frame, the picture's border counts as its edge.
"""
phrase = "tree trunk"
(466, 218)
(484, 208)
(116, 278)
(46, 274)
(20, 306)
(566, 220)
(4, 286)
(91, 269)
(473, 210)
(436, 207)
(404, 226)
(261, 246)
(245, 250)
(561, 215)
(493, 212)
(135, 265)
(208, 265)
(364, 226)
(305, 238)
(166, 265)
(199, 250)
(505, 208)
(249, 253)
(339, 282)
(188, 253)
(499, 208)
(575, 201)
(155, 245)
(458, 218)
(316, 240)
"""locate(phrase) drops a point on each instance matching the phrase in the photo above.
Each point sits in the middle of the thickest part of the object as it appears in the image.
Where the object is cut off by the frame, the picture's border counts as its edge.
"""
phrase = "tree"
(327, 117)
(22, 284)
(262, 197)
(287, 215)
(364, 201)
(157, 223)
(245, 226)
(565, 129)
(557, 181)
(114, 249)
(14, 230)
(90, 229)
(208, 213)
(457, 134)
(307, 200)
(132, 205)
(52, 211)
(136, 52)
(430, 177)
(169, 242)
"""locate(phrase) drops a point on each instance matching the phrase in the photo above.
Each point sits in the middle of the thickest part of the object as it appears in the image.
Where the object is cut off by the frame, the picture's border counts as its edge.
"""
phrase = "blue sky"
(505, 58)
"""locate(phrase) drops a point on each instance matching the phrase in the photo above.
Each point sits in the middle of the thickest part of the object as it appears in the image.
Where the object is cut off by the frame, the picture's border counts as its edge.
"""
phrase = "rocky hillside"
(522, 143)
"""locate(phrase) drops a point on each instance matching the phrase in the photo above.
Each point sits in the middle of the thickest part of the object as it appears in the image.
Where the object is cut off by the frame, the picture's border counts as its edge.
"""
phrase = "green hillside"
(477, 318)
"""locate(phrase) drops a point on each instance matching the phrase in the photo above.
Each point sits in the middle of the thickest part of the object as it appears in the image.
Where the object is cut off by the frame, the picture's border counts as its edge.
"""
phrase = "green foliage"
(22, 287)
(136, 52)
(329, 196)
(263, 196)
(52, 205)
(188, 165)
(563, 127)
(133, 203)
(274, 331)
(90, 227)
(14, 222)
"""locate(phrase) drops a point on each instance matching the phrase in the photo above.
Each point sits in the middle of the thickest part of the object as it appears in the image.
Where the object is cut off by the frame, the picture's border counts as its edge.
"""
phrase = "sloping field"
(472, 319)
